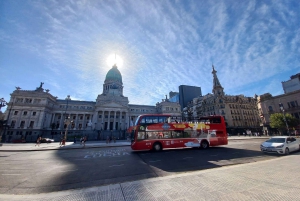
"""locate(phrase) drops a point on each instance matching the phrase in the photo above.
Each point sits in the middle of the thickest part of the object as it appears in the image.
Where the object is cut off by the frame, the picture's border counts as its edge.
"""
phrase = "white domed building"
(33, 113)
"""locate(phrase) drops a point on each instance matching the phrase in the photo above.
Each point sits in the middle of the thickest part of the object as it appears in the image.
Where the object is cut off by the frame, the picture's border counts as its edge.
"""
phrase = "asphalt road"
(56, 170)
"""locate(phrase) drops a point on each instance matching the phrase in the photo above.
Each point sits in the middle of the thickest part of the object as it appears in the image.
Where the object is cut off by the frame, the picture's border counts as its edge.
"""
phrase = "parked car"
(280, 145)
(47, 140)
(18, 141)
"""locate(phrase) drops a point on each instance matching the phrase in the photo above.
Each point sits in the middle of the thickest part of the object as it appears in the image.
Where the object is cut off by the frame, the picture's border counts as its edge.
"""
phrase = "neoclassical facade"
(37, 112)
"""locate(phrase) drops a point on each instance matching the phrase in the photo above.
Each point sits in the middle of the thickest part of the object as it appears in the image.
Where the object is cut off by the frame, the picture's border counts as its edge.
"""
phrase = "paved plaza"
(276, 179)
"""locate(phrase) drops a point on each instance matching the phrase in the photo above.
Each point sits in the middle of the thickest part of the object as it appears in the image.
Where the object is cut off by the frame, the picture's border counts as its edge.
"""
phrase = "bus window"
(141, 136)
(216, 120)
(187, 134)
(161, 119)
(177, 134)
(211, 120)
(149, 120)
(142, 120)
(151, 135)
(155, 120)
(167, 134)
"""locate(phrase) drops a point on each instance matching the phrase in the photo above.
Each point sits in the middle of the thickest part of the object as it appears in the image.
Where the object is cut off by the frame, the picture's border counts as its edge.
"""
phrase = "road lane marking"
(154, 161)
(116, 165)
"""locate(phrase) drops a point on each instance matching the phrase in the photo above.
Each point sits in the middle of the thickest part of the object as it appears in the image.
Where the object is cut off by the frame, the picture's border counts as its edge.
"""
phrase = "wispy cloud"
(164, 44)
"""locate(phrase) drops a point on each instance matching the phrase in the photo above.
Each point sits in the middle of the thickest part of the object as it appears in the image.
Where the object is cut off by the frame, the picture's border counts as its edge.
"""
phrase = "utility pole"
(287, 126)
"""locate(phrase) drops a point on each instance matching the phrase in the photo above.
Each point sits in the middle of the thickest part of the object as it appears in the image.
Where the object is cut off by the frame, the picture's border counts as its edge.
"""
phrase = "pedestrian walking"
(83, 141)
(107, 139)
(74, 139)
(61, 138)
(38, 141)
(114, 139)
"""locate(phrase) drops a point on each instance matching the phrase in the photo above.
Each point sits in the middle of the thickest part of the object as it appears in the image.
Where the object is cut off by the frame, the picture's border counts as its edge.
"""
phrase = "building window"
(22, 124)
(28, 100)
(31, 124)
(292, 104)
(19, 100)
(81, 117)
(16, 112)
(13, 123)
(37, 101)
(74, 117)
(59, 117)
(270, 109)
(33, 113)
(25, 113)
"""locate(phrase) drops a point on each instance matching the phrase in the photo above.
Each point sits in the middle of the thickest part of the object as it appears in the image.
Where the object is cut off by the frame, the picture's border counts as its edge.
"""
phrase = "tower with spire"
(217, 87)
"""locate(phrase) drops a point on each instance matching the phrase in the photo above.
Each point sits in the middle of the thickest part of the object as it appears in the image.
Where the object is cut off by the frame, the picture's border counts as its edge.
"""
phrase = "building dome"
(114, 75)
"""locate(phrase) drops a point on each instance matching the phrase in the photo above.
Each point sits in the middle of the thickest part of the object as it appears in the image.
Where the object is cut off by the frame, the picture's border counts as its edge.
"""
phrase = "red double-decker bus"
(157, 132)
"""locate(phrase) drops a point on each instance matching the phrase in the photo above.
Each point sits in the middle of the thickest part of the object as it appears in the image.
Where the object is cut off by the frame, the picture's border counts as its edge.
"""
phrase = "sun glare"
(114, 59)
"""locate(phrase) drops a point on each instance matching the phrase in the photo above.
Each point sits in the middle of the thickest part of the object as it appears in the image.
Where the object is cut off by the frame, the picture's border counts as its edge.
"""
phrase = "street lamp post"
(287, 126)
(67, 122)
(3, 103)
(67, 119)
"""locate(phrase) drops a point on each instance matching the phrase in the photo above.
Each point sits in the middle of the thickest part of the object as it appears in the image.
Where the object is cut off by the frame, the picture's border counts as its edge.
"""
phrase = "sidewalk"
(56, 146)
(89, 144)
(276, 179)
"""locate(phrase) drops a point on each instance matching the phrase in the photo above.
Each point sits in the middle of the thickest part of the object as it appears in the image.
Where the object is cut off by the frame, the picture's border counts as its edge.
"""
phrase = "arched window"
(270, 109)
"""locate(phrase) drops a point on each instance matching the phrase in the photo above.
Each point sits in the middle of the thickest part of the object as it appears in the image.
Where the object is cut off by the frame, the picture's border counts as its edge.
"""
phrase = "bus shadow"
(189, 159)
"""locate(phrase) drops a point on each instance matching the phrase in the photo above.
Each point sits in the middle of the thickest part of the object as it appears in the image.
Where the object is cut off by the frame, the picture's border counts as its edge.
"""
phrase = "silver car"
(280, 145)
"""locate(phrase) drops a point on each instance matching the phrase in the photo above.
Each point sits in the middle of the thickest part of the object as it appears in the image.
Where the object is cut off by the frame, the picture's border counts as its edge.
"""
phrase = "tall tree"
(277, 121)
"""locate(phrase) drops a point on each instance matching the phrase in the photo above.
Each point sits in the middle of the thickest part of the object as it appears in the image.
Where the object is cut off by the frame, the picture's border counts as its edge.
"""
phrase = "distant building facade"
(240, 112)
(268, 104)
(291, 85)
(32, 113)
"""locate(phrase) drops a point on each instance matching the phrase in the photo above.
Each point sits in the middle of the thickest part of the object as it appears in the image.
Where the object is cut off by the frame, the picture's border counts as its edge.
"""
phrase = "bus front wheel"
(157, 146)
(204, 144)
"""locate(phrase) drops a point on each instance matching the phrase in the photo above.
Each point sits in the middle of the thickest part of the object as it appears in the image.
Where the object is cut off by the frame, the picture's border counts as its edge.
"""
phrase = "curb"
(60, 148)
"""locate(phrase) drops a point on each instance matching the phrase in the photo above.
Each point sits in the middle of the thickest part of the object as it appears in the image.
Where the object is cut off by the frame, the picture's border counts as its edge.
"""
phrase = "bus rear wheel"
(204, 144)
(157, 146)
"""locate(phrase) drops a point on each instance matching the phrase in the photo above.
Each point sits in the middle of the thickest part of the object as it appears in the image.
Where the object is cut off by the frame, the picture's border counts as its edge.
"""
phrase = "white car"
(280, 145)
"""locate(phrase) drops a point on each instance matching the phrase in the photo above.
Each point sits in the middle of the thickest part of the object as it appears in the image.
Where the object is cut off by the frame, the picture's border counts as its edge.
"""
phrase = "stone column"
(95, 119)
(120, 121)
(61, 122)
(108, 121)
(76, 122)
(114, 124)
(102, 120)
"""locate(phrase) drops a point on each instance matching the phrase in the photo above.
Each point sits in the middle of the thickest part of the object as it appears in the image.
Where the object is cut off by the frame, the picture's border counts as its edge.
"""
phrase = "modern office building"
(291, 85)
(187, 93)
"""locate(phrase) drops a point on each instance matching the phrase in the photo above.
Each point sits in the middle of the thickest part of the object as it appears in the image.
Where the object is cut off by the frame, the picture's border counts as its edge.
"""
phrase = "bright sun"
(114, 59)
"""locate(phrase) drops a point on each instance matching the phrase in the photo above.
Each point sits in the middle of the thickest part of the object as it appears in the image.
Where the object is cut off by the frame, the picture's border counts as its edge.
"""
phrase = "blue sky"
(254, 46)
